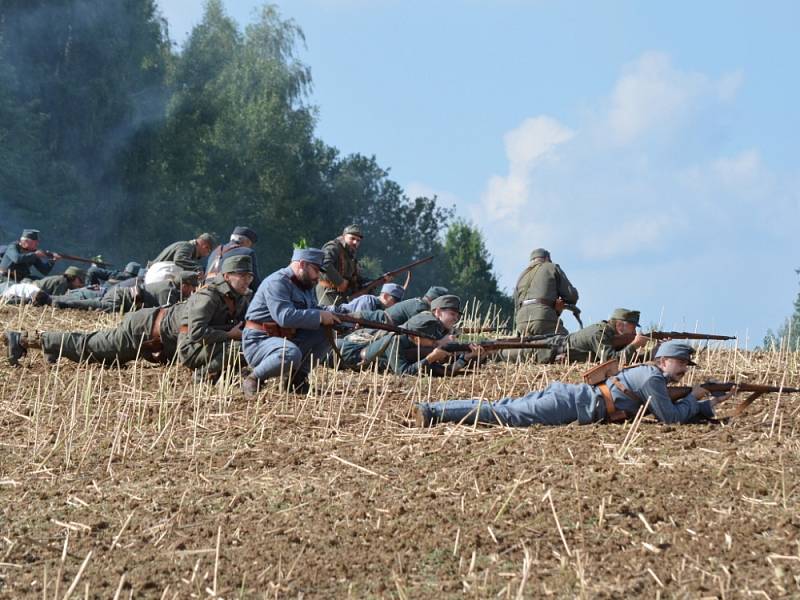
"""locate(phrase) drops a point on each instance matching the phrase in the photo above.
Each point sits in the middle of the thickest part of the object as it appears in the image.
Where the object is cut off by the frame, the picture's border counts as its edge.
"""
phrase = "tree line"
(113, 141)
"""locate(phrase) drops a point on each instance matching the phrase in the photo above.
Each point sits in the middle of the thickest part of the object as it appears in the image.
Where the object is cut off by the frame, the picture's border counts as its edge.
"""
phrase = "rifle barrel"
(371, 284)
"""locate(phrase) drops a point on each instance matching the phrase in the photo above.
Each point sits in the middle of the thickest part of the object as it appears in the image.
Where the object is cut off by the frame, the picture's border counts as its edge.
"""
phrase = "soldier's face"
(352, 241)
(29, 245)
(625, 328)
(203, 249)
(447, 316)
(388, 300)
(239, 281)
(309, 274)
(673, 368)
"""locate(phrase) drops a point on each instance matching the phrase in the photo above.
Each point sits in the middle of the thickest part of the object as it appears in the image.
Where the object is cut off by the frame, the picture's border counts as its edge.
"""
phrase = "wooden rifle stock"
(492, 345)
(376, 282)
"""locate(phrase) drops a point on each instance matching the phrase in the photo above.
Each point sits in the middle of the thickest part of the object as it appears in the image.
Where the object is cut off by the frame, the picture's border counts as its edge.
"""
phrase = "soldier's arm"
(661, 405)
(566, 290)
(330, 262)
(184, 258)
(278, 296)
(200, 311)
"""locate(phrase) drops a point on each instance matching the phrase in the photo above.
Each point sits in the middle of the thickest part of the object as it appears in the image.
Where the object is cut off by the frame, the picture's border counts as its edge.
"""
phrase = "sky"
(653, 148)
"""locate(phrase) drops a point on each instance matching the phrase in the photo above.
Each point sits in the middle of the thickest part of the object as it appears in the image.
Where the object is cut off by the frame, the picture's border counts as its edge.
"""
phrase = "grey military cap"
(237, 264)
(29, 234)
(208, 239)
(623, 314)
(540, 253)
(435, 291)
(75, 272)
(132, 267)
(426, 324)
(315, 256)
(447, 301)
(675, 349)
(353, 229)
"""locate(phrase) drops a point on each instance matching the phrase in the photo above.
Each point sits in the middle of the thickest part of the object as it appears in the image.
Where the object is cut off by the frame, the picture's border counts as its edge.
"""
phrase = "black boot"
(15, 347)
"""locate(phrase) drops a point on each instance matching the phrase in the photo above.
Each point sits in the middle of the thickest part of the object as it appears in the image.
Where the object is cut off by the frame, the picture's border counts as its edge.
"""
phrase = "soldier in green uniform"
(150, 333)
(212, 324)
(133, 294)
(539, 295)
(56, 285)
(596, 342)
(188, 255)
(410, 355)
(404, 310)
(23, 255)
(340, 276)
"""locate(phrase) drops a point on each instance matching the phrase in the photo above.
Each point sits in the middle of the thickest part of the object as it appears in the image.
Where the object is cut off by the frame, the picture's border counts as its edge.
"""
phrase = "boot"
(250, 387)
(15, 346)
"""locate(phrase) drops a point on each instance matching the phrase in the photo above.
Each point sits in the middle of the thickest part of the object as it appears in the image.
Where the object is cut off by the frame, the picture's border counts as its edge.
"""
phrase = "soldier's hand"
(718, 399)
(328, 318)
(235, 333)
(342, 287)
(437, 355)
(640, 341)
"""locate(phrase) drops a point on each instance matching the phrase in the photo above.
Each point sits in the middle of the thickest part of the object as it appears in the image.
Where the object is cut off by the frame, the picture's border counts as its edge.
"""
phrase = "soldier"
(596, 342)
(340, 276)
(55, 285)
(97, 275)
(150, 333)
(403, 311)
(539, 296)
(187, 255)
(21, 256)
(390, 294)
(212, 324)
(410, 355)
(241, 244)
(615, 398)
(284, 325)
(133, 294)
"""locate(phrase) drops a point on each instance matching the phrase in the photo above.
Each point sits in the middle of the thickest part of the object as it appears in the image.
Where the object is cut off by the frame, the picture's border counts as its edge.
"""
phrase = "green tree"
(788, 334)
(470, 267)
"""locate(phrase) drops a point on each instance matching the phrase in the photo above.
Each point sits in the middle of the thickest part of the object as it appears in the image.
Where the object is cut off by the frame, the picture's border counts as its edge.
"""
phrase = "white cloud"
(653, 94)
(530, 143)
(626, 238)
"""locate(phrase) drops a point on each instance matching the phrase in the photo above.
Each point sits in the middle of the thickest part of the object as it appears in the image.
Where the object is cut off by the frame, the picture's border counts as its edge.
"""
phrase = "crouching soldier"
(150, 333)
(610, 399)
(212, 323)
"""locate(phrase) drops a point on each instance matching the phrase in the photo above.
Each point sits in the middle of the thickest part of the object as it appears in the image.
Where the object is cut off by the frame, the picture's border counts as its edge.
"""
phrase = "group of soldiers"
(202, 304)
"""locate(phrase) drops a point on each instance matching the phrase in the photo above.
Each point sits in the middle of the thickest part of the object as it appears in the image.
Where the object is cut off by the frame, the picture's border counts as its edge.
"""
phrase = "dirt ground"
(138, 483)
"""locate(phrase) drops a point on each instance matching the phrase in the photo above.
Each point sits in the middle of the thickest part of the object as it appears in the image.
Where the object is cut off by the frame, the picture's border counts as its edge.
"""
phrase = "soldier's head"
(29, 240)
(189, 281)
(76, 278)
(447, 309)
(391, 294)
(434, 292)
(132, 268)
(204, 243)
(624, 321)
(540, 255)
(244, 236)
(674, 358)
(352, 236)
(306, 266)
(238, 272)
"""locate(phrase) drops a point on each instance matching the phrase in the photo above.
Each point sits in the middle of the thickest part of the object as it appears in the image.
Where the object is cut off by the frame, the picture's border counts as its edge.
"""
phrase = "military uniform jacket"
(595, 342)
(55, 285)
(212, 311)
(183, 254)
(279, 299)
(404, 310)
(16, 263)
(545, 281)
(340, 265)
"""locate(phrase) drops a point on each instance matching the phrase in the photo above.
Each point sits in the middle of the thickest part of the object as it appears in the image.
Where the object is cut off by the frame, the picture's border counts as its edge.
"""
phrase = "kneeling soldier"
(213, 319)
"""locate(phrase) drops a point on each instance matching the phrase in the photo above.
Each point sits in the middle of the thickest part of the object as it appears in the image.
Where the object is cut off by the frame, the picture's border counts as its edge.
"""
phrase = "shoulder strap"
(523, 294)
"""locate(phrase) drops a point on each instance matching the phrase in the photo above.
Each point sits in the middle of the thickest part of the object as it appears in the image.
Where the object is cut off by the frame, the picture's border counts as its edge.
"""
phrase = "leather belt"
(183, 329)
(272, 329)
(612, 414)
(545, 301)
(155, 332)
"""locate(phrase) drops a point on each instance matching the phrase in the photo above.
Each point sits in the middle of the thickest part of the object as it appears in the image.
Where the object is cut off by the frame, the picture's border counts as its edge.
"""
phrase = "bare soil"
(138, 483)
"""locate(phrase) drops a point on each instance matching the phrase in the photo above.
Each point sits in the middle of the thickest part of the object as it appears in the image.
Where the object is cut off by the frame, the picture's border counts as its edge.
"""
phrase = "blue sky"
(651, 147)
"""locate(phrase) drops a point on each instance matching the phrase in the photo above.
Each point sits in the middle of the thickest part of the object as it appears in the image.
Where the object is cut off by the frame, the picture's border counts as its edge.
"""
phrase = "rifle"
(679, 391)
(492, 345)
(473, 330)
(620, 341)
(376, 282)
(378, 325)
(99, 263)
(576, 312)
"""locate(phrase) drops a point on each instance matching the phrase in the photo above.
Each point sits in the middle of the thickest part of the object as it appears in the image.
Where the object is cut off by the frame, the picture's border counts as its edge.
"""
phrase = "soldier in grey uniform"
(240, 244)
(55, 285)
(563, 403)
(539, 295)
(188, 255)
(97, 275)
(212, 324)
(596, 342)
(284, 327)
(390, 294)
(150, 333)
(403, 311)
(23, 255)
(341, 276)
